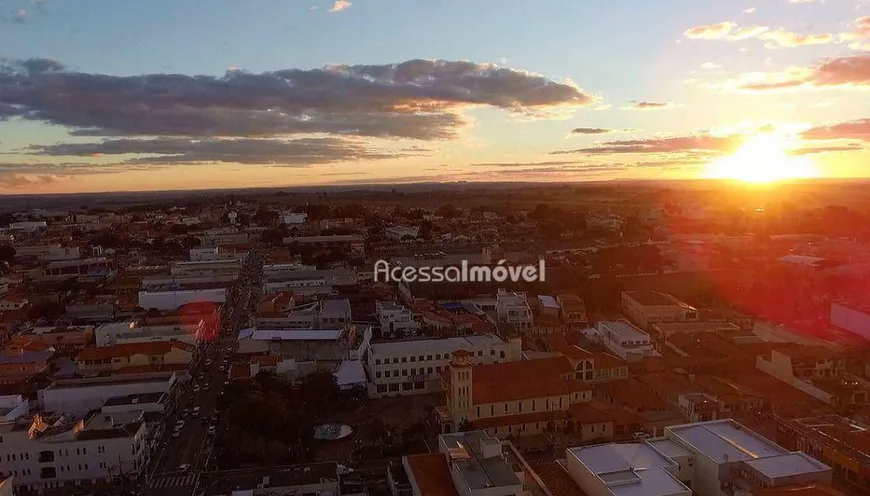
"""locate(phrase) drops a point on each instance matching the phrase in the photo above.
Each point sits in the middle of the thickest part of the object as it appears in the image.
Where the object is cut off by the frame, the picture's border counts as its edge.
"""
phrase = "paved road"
(178, 464)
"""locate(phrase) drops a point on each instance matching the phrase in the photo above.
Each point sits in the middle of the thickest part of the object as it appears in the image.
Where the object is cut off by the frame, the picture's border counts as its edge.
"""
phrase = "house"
(18, 365)
(646, 308)
(12, 302)
(396, 319)
(572, 310)
(513, 308)
(817, 371)
(95, 359)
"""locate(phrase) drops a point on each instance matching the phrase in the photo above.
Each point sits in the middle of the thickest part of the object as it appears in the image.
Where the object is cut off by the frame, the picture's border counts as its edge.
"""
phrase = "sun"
(764, 158)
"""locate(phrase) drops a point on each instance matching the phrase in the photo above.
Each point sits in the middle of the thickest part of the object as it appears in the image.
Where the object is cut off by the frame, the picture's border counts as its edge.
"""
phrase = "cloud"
(339, 5)
(853, 130)
(860, 30)
(635, 105)
(699, 145)
(172, 151)
(549, 163)
(783, 38)
(750, 10)
(842, 72)
(16, 181)
(591, 130)
(852, 147)
(417, 99)
(709, 66)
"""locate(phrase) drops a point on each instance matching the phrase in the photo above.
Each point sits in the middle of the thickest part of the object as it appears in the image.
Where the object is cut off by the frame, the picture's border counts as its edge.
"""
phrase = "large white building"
(625, 340)
(55, 451)
(172, 300)
(717, 458)
(78, 396)
(415, 366)
(513, 308)
(396, 319)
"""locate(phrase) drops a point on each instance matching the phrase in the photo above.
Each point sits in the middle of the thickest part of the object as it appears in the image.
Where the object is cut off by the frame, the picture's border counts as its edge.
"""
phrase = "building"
(132, 332)
(61, 338)
(12, 407)
(348, 243)
(851, 316)
(415, 366)
(625, 340)
(817, 371)
(54, 451)
(646, 308)
(718, 458)
(519, 398)
(231, 266)
(280, 312)
(295, 218)
(18, 364)
(401, 233)
(97, 359)
(78, 396)
(173, 300)
(316, 478)
(468, 464)
(88, 267)
(396, 319)
(513, 308)
(6, 485)
(842, 443)
(12, 302)
(572, 310)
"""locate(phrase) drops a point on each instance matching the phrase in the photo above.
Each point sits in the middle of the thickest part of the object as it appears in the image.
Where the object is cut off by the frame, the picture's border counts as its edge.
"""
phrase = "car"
(212, 430)
(207, 387)
(196, 388)
(184, 467)
(176, 434)
(196, 410)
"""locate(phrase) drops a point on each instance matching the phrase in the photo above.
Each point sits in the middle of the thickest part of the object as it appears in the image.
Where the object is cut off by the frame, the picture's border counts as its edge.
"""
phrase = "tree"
(319, 392)
(7, 254)
(448, 212)
(426, 230)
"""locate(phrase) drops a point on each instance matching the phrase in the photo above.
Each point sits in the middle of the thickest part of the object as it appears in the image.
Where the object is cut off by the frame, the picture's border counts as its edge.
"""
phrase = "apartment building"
(717, 458)
(646, 308)
(77, 397)
(513, 308)
(44, 452)
(415, 366)
(625, 340)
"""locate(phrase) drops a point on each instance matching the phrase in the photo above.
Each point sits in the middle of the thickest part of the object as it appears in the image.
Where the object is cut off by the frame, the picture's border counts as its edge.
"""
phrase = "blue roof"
(25, 357)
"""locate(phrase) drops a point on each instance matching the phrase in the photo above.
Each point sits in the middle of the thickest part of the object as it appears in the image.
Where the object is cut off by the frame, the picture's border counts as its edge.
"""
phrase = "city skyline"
(172, 95)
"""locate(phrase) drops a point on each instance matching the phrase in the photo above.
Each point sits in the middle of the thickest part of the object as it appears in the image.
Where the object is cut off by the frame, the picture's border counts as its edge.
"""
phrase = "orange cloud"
(729, 31)
(844, 72)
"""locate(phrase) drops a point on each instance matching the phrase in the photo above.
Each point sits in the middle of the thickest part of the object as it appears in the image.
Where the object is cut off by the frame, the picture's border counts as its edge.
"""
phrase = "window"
(395, 360)
(420, 358)
(395, 373)
(479, 352)
(101, 449)
(404, 359)
(501, 355)
(378, 374)
(492, 409)
(492, 352)
(520, 406)
(428, 357)
(438, 356)
(533, 405)
(413, 359)
(404, 372)
(429, 370)
(438, 368)
(377, 361)
(394, 387)
(382, 388)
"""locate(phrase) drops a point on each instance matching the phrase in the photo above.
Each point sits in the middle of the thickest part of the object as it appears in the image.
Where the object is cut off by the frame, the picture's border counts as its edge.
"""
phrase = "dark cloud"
(681, 144)
(837, 72)
(170, 151)
(526, 164)
(856, 130)
(417, 99)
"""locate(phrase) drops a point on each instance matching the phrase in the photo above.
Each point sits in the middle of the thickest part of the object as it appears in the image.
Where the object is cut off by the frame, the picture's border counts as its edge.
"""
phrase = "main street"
(180, 459)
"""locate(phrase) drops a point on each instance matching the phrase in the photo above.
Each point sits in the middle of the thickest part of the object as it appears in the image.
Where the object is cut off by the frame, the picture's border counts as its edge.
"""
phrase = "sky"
(102, 95)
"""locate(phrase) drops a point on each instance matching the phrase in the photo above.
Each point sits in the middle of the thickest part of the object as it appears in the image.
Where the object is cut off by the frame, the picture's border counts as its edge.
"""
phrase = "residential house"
(646, 308)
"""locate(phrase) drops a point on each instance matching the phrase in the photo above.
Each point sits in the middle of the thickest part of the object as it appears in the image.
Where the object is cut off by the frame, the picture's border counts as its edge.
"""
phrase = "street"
(182, 456)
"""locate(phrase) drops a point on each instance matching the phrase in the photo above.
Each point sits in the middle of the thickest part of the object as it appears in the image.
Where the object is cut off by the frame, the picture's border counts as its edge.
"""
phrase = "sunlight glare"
(762, 159)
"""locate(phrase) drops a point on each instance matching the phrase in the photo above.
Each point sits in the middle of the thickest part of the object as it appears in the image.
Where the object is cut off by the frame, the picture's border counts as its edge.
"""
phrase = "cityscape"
(453, 248)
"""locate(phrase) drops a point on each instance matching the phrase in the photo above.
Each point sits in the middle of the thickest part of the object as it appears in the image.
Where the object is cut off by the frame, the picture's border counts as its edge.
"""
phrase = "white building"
(625, 340)
(56, 253)
(397, 233)
(513, 308)
(295, 218)
(28, 226)
(415, 366)
(172, 300)
(206, 267)
(129, 332)
(717, 458)
(396, 319)
(78, 396)
(45, 452)
(12, 407)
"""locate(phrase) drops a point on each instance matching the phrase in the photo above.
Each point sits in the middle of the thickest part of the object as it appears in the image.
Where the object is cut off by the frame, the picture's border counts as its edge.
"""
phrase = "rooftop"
(431, 474)
(477, 471)
(630, 469)
(135, 399)
(297, 335)
(653, 298)
(229, 481)
(625, 330)
(725, 441)
(433, 346)
(523, 379)
(787, 465)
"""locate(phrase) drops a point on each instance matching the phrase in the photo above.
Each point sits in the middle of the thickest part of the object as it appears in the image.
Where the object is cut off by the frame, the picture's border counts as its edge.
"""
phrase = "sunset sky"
(108, 95)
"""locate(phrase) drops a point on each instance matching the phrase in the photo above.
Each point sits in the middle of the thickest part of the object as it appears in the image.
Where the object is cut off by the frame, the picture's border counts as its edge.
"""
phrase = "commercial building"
(95, 359)
(572, 310)
(625, 340)
(718, 458)
(646, 308)
(132, 332)
(323, 314)
(348, 243)
(415, 366)
(88, 267)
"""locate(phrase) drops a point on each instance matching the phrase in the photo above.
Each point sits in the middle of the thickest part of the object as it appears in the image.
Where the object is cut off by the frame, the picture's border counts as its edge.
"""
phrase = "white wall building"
(625, 340)
(46, 452)
(414, 366)
(513, 308)
(396, 233)
(396, 319)
(12, 407)
(172, 300)
(295, 218)
(79, 396)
